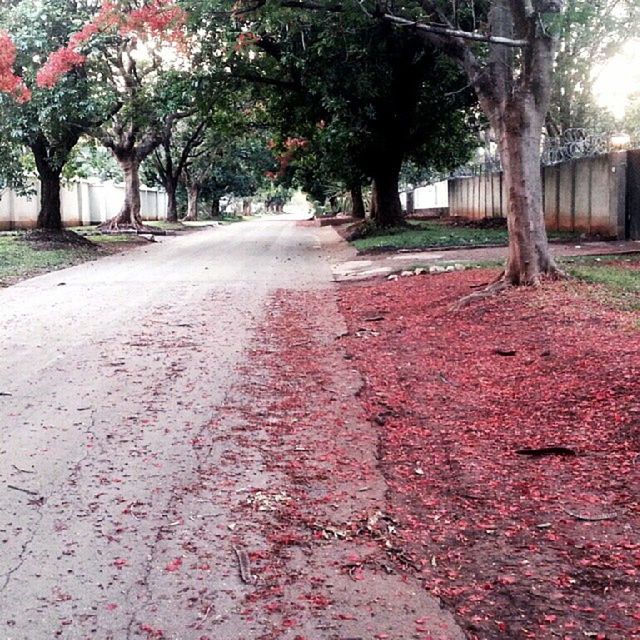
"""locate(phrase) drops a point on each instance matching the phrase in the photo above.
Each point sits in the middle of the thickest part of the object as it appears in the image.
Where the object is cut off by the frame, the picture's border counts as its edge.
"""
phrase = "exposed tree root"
(113, 227)
(546, 451)
(491, 290)
(501, 282)
(498, 278)
(556, 273)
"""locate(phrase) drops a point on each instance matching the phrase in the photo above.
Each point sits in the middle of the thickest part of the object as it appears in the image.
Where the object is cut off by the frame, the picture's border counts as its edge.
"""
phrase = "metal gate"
(632, 215)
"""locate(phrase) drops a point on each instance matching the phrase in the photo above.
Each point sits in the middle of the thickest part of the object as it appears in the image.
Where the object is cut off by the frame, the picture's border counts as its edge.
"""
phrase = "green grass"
(419, 234)
(167, 226)
(617, 278)
(20, 259)
(111, 238)
(85, 230)
(434, 234)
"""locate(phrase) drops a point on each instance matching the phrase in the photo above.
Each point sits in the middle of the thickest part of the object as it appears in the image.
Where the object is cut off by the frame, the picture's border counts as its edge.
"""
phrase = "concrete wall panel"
(83, 202)
(585, 195)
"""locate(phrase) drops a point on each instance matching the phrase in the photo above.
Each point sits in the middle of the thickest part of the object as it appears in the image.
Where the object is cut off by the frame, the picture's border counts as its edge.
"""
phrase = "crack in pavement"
(22, 556)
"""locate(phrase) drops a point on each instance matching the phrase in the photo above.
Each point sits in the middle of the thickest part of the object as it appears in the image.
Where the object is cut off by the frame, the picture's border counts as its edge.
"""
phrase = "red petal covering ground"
(505, 539)
(313, 524)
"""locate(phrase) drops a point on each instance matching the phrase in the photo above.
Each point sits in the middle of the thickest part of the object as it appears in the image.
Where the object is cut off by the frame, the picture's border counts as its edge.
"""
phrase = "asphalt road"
(109, 373)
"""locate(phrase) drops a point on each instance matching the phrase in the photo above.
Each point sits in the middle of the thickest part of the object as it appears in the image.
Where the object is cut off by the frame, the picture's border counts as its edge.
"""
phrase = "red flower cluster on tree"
(159, 18)
(291, 145)
(296, 143)
(9, 82)
(58, 64)
(246, 39)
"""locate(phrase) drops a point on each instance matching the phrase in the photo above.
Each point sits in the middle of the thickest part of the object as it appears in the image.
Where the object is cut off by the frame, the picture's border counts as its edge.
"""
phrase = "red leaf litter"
(517, 546)
(174, 565)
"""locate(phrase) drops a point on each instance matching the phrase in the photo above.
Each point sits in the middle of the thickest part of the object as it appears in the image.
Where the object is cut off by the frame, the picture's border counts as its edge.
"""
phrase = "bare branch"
(454, 33)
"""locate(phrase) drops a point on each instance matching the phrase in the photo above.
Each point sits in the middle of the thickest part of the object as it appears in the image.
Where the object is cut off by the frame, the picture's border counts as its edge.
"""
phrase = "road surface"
(110, 373)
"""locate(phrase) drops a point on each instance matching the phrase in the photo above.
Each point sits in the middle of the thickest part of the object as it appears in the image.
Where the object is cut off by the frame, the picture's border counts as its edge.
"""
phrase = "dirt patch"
(519, 546)
(483, 223)
(45, 239)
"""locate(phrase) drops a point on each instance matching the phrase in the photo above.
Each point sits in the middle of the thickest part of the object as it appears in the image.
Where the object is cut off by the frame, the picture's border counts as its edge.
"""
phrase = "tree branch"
(315, 6)
(275, 82)
(196, 139)
(453, 33)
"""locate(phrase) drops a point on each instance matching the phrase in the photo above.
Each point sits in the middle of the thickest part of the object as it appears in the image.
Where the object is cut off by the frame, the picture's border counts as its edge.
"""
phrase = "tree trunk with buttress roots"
(513, 84)
(129, 216)
(514, 91)
(193, 193)
(357, 202)
(386, 209)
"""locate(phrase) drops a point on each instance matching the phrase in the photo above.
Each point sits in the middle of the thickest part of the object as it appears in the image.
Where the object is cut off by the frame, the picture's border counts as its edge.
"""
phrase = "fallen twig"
(546, 451)
(21, 470)
(245, 565)
(579, 516)
(205, 616)
(31, 493)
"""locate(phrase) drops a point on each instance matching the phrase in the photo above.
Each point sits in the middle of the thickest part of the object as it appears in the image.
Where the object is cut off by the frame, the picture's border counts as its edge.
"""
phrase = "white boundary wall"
(83, 202)
(433, 196)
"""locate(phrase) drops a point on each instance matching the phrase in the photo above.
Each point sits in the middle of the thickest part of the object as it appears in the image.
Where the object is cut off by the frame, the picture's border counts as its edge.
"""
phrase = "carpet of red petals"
(314, 521)
(517, 546)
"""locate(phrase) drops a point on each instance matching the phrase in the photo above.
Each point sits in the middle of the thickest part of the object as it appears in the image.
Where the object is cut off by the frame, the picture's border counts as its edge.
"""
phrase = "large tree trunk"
(529, 256)
(50, 214)
(171, 187)
(129, 216)
(514, 92)
(386, 209)
(357, 201)
(193, 193)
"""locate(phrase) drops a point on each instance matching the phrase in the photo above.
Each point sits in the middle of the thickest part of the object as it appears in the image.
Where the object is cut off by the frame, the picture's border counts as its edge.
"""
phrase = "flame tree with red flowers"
(47, 122)
(136, 53)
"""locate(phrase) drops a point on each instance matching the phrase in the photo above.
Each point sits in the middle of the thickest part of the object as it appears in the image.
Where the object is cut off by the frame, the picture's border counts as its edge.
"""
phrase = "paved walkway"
(360, 267)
